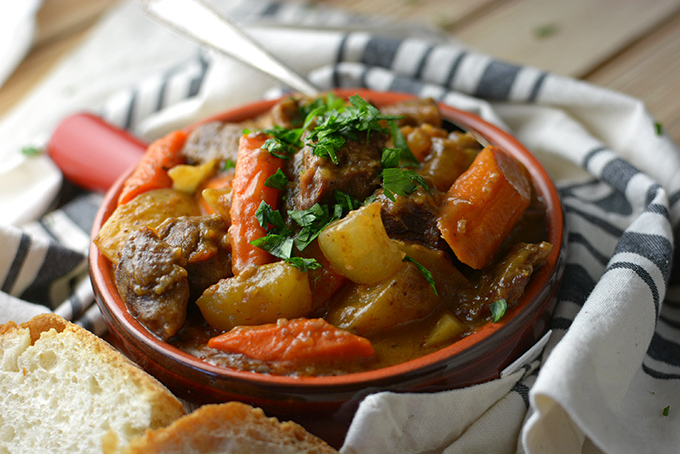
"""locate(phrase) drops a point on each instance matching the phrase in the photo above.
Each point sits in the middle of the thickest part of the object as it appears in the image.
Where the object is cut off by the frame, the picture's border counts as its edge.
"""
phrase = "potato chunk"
(358, 246)
(402, 297)
(187, 178)
(447, 328)
(257, 295)
(368, 309)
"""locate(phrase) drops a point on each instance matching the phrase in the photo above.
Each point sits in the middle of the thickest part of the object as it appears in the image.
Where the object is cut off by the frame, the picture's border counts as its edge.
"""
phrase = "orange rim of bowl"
(517, 316)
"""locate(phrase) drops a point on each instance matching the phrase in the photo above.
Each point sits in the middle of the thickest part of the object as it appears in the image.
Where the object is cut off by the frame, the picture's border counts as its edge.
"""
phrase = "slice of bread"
(230, 428)
(63, 389)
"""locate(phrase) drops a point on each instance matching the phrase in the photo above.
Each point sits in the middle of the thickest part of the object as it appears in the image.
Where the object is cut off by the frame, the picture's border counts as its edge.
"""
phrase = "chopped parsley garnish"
(390, 157)
(305, 264)
(498, 309)
(424, 271)
(276, 147)
(31, 151)
(283, 142)
(346, 202)
(329, 123)
(280, 240)
(286, 136)
(336, 123)
(546, 31)
(658, 127)
(277, 181)
(401, 182)
(666, 410)
(228, 164)
(312, 221)
(400, 143)
(280, 246)
(270, 219)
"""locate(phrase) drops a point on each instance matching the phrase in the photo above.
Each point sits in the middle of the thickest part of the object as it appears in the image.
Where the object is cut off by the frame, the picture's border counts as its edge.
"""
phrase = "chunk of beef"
(214, 140)
(506, 280)
(205, 244)
(412, 218)
(152, 281)
(286, 113)
(357, 172)
(415, 112)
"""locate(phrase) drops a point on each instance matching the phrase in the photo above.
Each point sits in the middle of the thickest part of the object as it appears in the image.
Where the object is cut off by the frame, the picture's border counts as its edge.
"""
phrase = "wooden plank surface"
(567, 37)
(59, 19)
(627, 45)
(649, 70)
(61, 25)
(444, 14)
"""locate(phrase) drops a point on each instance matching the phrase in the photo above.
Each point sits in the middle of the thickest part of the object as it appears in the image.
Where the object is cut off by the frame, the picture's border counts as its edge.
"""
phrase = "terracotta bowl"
(325, 405)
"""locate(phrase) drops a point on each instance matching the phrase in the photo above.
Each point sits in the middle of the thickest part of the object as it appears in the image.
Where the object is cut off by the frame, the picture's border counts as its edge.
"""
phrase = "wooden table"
(631, 46)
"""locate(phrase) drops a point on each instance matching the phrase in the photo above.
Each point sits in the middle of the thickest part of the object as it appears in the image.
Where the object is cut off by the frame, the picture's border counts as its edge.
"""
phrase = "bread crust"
(56, 331)
(169, 407)
(232, 427)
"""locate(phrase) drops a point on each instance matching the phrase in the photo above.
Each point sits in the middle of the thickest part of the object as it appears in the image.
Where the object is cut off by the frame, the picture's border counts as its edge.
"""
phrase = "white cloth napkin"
(17, 27)
(608, 378)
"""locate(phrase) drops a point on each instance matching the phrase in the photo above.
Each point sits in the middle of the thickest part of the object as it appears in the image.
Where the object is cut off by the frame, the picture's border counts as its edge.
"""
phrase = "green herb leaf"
(390, 157)
(287, 136)
(31, 151)
(228, 164)
(400, 142)
(312, 221)
(280, 246)
(498, 309)
(311, 116)
(328, 147)
(370, 199)
(346, 202)
(546, 31)
(666, 410)
(277, 181)
(276, 147)
(335, 123)
(269, 219)
(658, 127)
(305, 264)
(310, 216)
(425, 271)
(401, 182)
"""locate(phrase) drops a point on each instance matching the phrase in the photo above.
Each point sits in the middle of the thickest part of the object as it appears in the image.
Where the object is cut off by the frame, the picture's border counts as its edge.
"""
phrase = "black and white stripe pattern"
(50, 262)
(621, 223)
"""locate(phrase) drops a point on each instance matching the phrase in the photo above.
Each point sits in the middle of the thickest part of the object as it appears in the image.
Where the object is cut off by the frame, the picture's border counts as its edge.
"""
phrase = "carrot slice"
(152, 170)
(483, 205)
(300, 339)
(253, 166)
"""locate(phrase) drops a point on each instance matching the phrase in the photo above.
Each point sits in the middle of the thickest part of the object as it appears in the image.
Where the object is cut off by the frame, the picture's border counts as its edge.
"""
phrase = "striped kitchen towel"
(607, 378)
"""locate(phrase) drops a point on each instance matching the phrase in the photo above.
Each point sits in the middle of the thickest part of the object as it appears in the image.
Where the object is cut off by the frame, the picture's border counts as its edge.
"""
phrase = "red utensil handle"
(93, 153)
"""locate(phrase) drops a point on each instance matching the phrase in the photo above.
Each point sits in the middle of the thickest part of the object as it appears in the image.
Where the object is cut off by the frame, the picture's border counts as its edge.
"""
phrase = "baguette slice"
(63, 389)
(230, 428)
